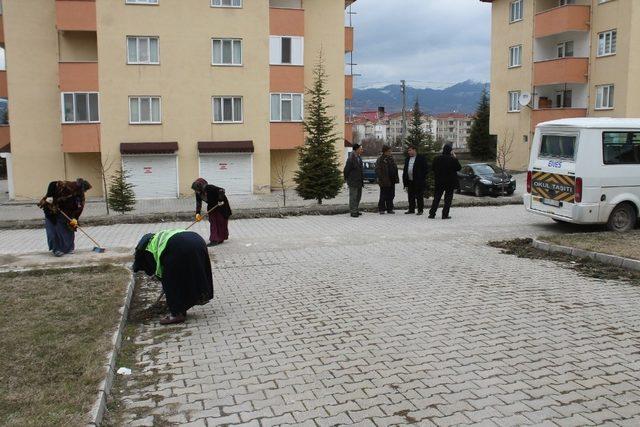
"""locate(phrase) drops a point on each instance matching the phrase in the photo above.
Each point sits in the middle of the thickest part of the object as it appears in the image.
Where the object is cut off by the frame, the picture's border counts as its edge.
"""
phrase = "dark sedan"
(482, 179)
(369, 170)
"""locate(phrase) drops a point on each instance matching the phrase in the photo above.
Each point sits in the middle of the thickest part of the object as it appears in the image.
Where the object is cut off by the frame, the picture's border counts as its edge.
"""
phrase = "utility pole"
(404, 109)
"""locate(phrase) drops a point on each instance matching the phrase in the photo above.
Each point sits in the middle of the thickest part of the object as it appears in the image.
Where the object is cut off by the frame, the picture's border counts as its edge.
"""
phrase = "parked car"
(586, 171)
(482, 179)
(369, 170)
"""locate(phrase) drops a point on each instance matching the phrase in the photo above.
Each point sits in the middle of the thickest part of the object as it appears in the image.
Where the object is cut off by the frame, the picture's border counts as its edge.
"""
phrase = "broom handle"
(208, 212)
(80, 228)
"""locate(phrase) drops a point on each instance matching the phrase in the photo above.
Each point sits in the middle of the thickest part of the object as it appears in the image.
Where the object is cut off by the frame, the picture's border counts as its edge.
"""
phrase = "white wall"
(546, 48)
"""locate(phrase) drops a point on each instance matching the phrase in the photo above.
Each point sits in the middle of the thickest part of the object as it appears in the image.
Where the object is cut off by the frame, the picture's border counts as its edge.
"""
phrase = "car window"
(558, 147)
(467, 170)
(484, 170)
(621, 148)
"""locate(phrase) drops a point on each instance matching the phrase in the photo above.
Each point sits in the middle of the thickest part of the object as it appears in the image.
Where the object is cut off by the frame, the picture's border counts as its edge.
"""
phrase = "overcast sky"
(432, 43)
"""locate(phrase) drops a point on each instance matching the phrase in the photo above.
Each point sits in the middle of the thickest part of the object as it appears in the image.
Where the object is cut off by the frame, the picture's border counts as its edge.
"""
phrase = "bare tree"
(103, 170)
(281, 170)
(504, 153)
(372, 146)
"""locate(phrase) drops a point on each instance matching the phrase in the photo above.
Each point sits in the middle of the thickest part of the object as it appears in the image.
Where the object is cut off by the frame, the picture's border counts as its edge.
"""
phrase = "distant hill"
(462, 97)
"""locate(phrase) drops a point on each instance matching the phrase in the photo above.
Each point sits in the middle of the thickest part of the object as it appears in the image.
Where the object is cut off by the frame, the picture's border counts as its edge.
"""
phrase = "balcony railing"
(286, 22)
(348, 87)
(348, 39)
(348, 132)
(4, 92)
(76, 15)
(1, 29)
(285, 79)
(562, 19)
(544, 115)
(78, 76)
(286, 136)
(81, 138)
(562, 70)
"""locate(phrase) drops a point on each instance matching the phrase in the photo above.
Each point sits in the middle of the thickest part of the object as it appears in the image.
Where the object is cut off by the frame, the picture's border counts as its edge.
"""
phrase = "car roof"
(594, 123)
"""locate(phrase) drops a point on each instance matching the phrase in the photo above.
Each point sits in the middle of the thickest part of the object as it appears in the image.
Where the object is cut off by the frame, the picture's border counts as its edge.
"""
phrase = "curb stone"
(617, 261)
(99, 406)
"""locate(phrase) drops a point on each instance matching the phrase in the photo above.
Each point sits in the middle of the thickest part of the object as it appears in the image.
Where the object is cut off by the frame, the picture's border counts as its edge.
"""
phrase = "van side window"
(621, 148)
(558, 147)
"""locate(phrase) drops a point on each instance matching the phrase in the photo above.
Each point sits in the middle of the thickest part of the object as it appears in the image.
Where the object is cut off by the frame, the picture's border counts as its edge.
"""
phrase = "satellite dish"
(525, 99)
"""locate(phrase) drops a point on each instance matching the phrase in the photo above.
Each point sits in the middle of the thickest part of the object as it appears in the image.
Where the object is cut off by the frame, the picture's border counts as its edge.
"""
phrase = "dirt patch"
(585, 266)
(626, 245)
(55, 332)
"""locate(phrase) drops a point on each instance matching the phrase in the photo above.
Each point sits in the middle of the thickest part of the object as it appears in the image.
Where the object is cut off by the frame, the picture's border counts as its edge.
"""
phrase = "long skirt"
(60, 237)
(218, 227)
(186, 277)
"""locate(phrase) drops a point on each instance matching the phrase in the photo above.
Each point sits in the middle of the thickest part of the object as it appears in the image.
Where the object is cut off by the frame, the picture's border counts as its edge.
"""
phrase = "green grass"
(55, 332)
(626, 245)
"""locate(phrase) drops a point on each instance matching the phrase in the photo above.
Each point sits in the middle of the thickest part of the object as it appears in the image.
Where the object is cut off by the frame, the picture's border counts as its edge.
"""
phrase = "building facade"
(454, 128)
(394, 130)
(169, 90)
(575, 58)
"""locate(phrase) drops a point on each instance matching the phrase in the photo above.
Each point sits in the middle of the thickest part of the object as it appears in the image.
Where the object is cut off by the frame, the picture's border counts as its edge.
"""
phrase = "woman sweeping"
(181, 261)
(219, 217)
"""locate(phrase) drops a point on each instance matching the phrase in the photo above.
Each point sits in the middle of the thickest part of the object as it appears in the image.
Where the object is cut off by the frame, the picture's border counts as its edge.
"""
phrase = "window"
(564, 99)
(226, 3)
(515, 56)
(227, 109)
(566, 2)
(144, 109)
(621, 148)
(79, 107)
(227, 52)
(4, 111)
(515, 11)
(286, 50)
(142, 50)
(3, 63)
(514, 101)
(558, 147)
(286, 107)
(604, 97)
(607, 42)
(565, 49)
(141, 1)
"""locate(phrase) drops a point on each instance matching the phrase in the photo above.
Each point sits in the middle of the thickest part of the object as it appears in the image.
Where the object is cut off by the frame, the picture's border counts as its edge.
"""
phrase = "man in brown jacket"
(387, 174)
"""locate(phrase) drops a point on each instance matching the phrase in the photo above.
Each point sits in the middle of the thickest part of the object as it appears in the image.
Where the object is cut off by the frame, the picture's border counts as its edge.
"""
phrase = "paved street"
(387, 320)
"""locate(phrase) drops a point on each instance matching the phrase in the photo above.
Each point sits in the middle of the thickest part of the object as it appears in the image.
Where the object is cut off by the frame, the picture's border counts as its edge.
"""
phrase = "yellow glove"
(198, 217)
(73, 222)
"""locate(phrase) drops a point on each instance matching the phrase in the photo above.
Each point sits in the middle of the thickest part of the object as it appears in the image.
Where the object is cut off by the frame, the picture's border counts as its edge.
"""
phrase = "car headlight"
(485, 181)
(513, 179)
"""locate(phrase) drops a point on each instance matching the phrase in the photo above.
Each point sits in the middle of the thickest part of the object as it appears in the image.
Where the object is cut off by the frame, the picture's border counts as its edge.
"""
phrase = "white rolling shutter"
(275, 50)
(154, 176)
(297, 50)
(231, 171)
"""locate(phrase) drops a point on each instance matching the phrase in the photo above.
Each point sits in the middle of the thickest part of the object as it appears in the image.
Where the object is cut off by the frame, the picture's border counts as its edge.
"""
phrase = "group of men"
(414, 180)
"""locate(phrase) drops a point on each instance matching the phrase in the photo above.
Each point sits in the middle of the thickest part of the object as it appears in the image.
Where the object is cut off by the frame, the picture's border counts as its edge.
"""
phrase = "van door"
(553, 177)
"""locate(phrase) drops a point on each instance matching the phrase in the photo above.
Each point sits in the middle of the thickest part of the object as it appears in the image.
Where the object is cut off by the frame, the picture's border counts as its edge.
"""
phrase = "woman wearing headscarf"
(219, 217)
(180, 260)
(63, 198)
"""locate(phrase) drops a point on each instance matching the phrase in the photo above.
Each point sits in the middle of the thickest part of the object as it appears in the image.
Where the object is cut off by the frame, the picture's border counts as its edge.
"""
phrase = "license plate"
(551, 202)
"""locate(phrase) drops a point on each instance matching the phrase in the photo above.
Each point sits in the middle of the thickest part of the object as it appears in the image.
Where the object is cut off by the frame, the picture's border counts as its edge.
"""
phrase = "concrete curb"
(617, 261)
(250, 213)
(100, 405)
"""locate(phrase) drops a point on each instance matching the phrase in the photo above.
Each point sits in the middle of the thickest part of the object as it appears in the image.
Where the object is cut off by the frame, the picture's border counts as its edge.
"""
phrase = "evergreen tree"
(318, 176)
(121, 196)
(481, 144)
(424, 143)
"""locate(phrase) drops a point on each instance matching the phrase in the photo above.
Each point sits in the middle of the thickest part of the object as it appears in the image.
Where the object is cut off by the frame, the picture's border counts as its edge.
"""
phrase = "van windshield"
(558, 147)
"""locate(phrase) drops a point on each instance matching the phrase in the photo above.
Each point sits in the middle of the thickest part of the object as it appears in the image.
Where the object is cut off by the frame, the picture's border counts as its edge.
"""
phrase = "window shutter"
(275, 48)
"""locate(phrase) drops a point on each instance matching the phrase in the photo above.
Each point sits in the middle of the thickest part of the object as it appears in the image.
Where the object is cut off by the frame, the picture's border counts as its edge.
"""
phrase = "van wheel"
(477, 191)
(623, 218)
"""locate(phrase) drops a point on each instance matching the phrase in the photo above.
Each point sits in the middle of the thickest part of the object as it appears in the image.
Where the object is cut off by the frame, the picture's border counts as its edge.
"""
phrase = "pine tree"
(318, 176)
(121, 196)
(481, 144)
(424, 143)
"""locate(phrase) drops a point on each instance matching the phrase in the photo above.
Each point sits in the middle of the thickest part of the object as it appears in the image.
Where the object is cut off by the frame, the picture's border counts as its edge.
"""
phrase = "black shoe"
(381, 212)
(446, 217)
(355, 215)
(391, 212)
(420, 213)
(359, 213)
(431, 216)
(409, 212)
(213, 244)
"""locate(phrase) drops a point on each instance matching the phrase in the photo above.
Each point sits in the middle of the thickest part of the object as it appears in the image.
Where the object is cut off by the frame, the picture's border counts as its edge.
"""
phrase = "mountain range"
(462, 97)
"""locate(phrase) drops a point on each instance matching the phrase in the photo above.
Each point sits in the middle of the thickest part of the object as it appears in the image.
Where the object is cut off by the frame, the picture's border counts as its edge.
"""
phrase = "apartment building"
(394, 130)
(575, 58)
(167, 89)
(454, 128)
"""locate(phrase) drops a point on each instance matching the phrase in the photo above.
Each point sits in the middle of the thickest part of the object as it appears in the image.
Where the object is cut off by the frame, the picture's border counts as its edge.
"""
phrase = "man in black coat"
(445, 170)
(414, 179)
(354, 176)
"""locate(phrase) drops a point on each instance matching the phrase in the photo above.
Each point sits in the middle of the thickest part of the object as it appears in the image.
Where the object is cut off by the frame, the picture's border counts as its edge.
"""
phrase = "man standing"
(387, 174)
(445, 169)
(414, 179)
(354, 177)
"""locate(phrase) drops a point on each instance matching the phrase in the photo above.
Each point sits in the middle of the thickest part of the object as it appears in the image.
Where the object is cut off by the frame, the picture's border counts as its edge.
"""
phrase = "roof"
(453, 116)
(595, 123)
(225, 146)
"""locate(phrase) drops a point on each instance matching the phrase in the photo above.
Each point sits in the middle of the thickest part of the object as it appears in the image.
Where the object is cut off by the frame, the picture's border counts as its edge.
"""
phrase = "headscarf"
(447, 149)
(83, 185)
(144, 260)
(199, 185)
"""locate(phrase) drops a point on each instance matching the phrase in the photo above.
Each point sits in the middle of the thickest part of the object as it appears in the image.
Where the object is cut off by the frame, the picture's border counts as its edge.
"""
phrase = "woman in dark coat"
(218, 218)
(66, 197)
(181, 261)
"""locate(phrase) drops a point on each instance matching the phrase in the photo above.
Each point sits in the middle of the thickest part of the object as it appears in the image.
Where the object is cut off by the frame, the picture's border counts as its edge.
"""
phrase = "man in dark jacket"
(445, 170)
(354, 176)
(414, 179)
(387, 174)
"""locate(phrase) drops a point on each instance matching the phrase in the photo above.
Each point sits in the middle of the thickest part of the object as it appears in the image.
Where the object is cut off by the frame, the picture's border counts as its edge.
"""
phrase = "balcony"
(4, 136)
(4, 92)
(286, 22)
(348, 132)
(76, 15)
(348, 87)
(562, 19)
(544, 115)
(348, 39)
(285, 79)
(562, 70)
(286, 136)
(1, 29)
(81, 138)
(78, 76)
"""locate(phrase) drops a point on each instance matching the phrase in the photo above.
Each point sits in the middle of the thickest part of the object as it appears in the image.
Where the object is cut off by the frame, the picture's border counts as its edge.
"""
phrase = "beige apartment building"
(170, 90)
(576, 58)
